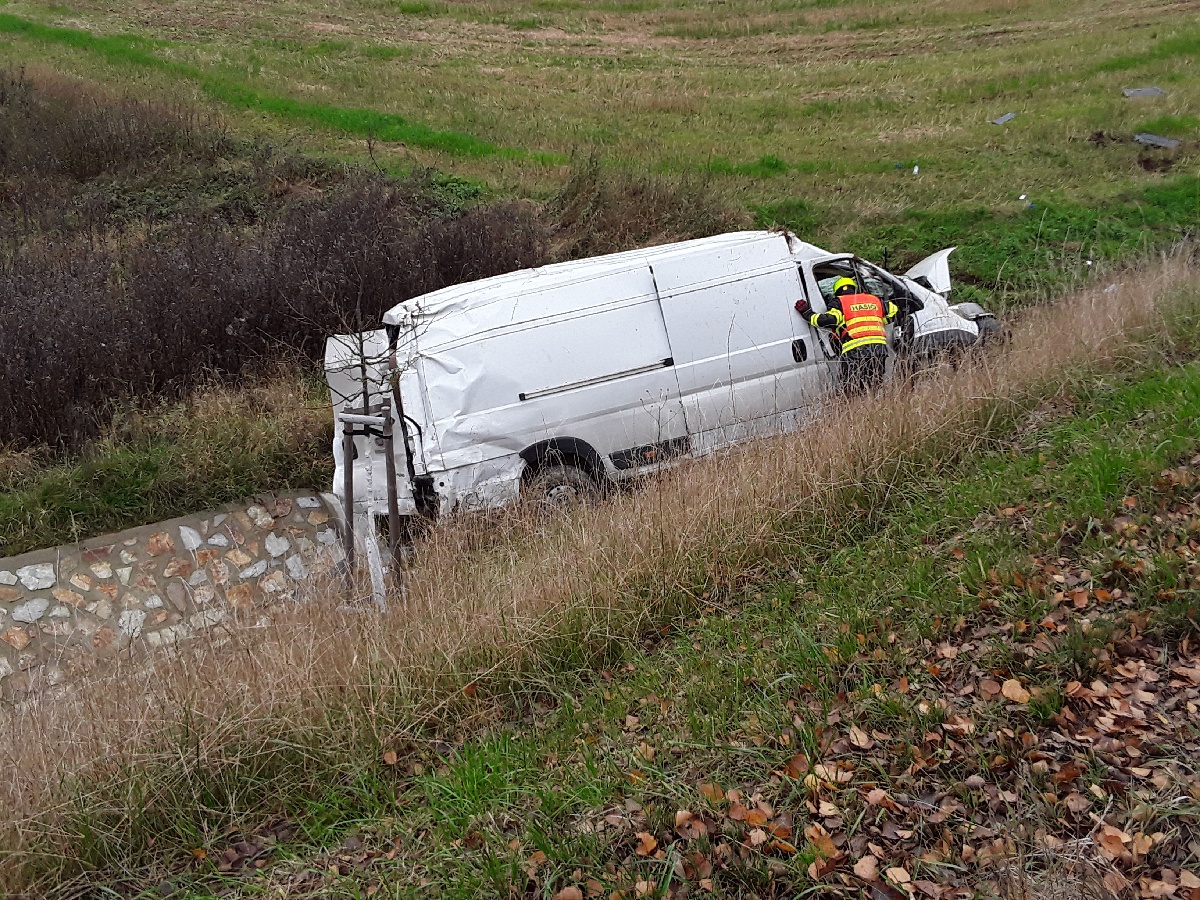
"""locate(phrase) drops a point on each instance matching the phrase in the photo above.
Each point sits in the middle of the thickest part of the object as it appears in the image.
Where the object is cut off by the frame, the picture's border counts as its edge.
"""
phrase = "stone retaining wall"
(65, 609)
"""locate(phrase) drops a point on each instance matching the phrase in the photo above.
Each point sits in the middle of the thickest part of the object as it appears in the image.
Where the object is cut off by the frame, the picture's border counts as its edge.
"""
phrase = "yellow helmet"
(844, 285)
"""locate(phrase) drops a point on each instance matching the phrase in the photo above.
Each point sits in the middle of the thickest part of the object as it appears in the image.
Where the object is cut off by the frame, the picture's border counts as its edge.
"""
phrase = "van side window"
(876, 282)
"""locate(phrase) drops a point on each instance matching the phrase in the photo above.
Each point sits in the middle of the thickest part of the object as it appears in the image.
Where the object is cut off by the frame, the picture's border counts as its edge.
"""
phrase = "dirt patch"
(328, 28)
(1155, 162)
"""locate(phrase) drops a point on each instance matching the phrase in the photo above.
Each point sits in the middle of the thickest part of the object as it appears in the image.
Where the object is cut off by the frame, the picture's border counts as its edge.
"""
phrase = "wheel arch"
(564, 451)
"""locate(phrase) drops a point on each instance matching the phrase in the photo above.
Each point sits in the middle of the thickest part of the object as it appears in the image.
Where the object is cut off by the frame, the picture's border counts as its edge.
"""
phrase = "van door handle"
(799, 350)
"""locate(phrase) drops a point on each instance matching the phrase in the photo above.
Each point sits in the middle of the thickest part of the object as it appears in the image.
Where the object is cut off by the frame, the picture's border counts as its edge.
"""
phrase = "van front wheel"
(562, 486)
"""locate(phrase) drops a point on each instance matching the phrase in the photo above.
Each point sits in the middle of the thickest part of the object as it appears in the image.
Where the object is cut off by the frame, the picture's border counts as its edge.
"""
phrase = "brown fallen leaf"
(860, 738)
(1112, 841)
(821, 867)
(820, 839)
(569, 893)
(898, 875)
(389, 757)
(1115, 882)
(797, 766)
(1142, 844)
(712, 792)
(1152, 888)
(646, 843)
(867, 868)
(1077, 802)
(1013, 691)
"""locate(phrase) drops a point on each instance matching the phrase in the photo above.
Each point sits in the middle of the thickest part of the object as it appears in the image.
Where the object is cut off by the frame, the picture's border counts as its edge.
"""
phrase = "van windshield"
(869, 278)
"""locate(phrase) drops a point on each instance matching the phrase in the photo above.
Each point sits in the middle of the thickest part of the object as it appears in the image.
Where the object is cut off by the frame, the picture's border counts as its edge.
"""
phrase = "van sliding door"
(744, 367)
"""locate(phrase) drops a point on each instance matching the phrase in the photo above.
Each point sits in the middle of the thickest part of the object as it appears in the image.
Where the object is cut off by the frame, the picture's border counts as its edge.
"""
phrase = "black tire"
(562, 486)
(991, 330)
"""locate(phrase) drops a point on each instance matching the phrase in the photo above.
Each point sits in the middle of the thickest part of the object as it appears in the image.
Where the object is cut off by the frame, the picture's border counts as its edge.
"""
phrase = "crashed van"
(559, 381)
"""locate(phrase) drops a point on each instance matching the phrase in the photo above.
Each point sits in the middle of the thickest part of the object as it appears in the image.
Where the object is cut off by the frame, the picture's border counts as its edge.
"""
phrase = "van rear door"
(729, 313)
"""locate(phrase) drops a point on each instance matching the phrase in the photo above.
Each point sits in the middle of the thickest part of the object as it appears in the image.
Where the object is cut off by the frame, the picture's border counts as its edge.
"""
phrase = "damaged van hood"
(936, 269)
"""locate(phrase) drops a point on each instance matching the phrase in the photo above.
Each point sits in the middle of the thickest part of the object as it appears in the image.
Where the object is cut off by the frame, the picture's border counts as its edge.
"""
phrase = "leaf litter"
(1098, 776)
(1011, 768)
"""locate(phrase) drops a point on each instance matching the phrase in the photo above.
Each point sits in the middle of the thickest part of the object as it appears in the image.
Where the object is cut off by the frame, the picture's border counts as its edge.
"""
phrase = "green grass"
(501, 92)
(1011, 255)
(1184, 46)
(1046, 246)
(136, 51)
(220, 447)
(1172, 126)
(711, 695)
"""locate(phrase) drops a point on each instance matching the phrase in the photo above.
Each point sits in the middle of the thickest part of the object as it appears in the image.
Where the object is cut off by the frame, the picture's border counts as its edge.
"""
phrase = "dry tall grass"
(133, 767)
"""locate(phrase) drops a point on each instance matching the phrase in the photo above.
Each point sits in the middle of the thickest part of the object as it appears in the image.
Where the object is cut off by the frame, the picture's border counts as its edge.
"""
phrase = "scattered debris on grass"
(1134, 93)
(1155, 140)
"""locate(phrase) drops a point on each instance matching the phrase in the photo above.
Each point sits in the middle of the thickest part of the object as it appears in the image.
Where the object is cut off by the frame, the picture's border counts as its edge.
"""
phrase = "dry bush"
(83, 328)
(605, 210)
(144, 252)
(61, 129)
(141, 761)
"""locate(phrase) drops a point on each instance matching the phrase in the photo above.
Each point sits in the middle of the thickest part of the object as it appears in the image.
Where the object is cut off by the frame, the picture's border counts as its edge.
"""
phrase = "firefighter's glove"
(804, 309)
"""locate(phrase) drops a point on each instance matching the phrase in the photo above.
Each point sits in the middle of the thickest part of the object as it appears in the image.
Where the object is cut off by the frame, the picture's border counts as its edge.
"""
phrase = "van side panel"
(599, 372)
(729, 314)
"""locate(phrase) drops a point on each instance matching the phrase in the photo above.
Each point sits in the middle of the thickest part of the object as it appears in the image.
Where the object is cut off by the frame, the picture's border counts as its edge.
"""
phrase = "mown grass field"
(811, 113)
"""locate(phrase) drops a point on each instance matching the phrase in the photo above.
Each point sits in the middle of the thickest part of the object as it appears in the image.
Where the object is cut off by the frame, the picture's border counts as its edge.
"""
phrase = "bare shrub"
(58, 128)
(147, 252)
(258, 717)
(604, 210)
(83, 328)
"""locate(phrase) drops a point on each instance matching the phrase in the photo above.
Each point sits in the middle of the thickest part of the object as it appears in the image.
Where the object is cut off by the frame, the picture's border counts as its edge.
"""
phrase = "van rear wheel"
(562, 486)
(991, 330)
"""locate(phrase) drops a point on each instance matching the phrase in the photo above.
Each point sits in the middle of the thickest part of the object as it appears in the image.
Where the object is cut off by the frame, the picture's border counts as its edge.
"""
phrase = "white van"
(564, 379)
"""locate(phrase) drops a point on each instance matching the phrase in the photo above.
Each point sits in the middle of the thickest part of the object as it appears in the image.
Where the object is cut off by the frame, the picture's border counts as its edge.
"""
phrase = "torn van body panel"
(936, 270)
(600, 370)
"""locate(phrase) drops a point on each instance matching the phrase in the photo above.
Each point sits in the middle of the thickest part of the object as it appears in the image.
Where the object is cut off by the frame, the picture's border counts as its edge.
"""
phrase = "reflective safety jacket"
(857, 320)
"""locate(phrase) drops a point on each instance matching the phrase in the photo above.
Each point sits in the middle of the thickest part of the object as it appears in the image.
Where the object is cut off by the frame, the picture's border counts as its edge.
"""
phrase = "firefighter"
(857, 321)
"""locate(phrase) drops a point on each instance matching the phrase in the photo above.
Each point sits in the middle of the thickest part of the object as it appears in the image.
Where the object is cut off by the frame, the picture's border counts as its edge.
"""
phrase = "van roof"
(478, 295)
